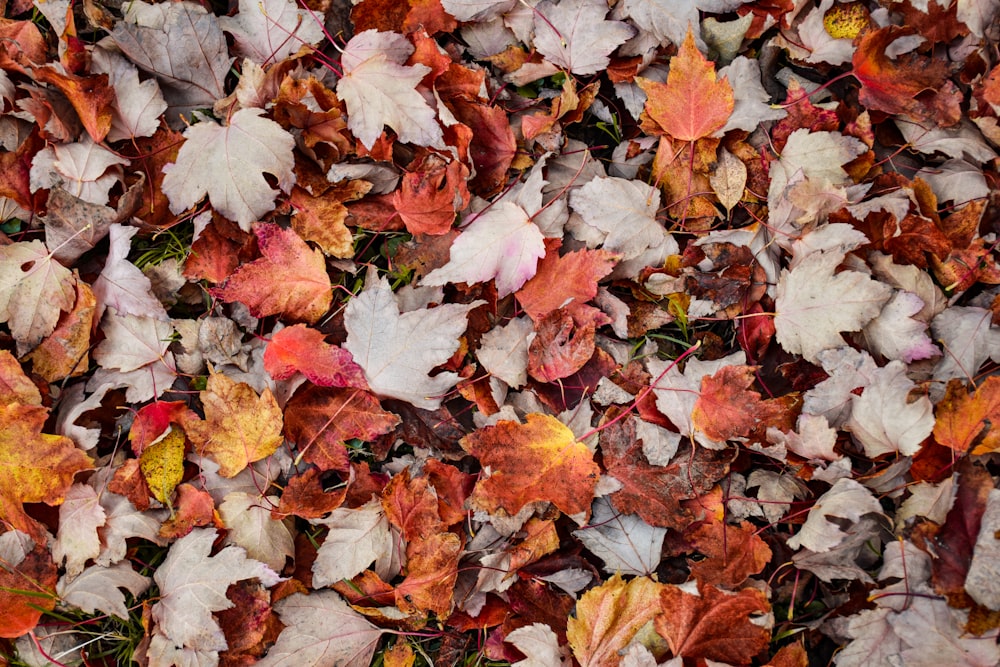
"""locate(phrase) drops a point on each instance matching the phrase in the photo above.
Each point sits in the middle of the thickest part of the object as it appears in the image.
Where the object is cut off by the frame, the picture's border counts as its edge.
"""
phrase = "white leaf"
(539, 643)
(398, 350)
(228, 164)
(138, 104)
(500, 244)
(124, 521)
(752, 103)
(77, 541)
(268, 31)
(132, 342)
(83, 169)
(34, 289)
(379, 90)
(983, 580)
(625, 542)
(625, 212)
(575, 35)
(896, 334)
(956, 180)
(934, 634)
(121, 284)
(968, 339)
(847, 499)
(248, 520)
(193, 585)
(958, 141)
(97, 589)
(814, 305)
(321, 630)
(477, 10)
(356, 538)
(883, 418)
(503, 351)
(819, 155)
(848, 369)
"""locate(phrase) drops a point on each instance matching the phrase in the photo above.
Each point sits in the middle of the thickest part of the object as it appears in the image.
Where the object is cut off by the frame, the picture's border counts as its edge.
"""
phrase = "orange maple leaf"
(693, 103)
(34, 467)
(609, 616)
(727, 408)
(305, 293)
(961, 417)
(27, 589)
(538, 461)
(301, 348)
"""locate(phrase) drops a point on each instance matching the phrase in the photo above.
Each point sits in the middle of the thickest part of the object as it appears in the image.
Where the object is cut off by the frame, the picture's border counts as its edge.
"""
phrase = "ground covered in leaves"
(499, 331)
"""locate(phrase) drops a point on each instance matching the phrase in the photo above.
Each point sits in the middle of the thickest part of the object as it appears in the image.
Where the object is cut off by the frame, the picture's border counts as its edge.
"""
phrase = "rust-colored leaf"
(301, 348)
(960, 417)
(27, 590)
(538, 461)
(912, 84)
(727, 407)
(714, 625)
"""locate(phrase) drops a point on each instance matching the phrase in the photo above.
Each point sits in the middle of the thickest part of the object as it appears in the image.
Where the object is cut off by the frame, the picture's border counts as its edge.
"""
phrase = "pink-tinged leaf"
(290, 279)
(575, 36)
(301, 348)
(270, 31)
(502, 243)
(321, 629)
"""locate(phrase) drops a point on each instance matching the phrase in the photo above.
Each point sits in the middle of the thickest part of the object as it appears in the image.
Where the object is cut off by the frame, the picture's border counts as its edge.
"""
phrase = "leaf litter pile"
(500, 331)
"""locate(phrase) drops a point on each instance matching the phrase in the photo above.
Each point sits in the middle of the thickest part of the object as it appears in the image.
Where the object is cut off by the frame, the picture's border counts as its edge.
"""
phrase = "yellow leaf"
(162, 464)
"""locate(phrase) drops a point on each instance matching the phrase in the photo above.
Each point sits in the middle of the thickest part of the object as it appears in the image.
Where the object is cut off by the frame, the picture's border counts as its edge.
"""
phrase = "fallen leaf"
(692, 104)
(34, 289)
(300, 348)
(608, 617)
(398, 350)
(306, 291)
(537, 461)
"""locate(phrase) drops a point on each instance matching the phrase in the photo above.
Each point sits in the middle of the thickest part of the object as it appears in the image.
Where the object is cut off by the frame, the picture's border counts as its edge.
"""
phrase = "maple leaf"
(538, 461)
(814, 305)
(713, 625)
(380, 90)
(34, 289)
(137, 105)
(624, 212)
(135, 353)
(300, 348)
(428, 200)
(97, 589)
(39, 473)
(321, 629)
(27, 583)
(961, 417)
(692, 104)
(912, 85)
(320, 420)
(240, 426)
(847, 501)
(608, 617)
(270, 31)
(564, 279)
(502, 243)
(193, 584)
(184, 48)
(74, 226)
(306, 291)
(726, 407)
(121, 284)
(398, 350)
(228, 164)
(884, 418)
(247, 517)
(356, 539)
(625, 542)
(576, 35)
(80, 517)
